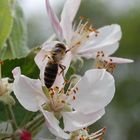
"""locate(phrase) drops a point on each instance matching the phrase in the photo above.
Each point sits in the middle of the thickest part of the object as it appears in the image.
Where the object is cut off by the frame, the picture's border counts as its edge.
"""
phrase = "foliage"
(13, 38)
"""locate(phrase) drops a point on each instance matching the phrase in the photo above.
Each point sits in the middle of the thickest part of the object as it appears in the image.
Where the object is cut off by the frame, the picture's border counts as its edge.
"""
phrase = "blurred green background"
(122, 118)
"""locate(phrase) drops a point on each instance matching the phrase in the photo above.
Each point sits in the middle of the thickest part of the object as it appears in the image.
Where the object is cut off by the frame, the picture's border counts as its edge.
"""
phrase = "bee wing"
(48, 56)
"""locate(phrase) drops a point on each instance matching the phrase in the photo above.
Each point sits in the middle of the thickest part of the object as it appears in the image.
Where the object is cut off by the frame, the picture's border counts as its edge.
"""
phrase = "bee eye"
(57, 50)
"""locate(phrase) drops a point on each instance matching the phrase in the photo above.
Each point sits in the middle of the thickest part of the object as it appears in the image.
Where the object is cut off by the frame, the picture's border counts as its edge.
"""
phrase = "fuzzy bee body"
(51, 69)
(50, 74)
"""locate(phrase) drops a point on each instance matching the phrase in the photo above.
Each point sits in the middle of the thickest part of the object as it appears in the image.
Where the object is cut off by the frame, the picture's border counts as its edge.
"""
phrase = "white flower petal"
(54, 20)
(28, 91)
(117, 60)
(96, 90)
(77, 120)
(106, 41)
(40, 59)
(53, 125)
(92, 52)
(68, 14)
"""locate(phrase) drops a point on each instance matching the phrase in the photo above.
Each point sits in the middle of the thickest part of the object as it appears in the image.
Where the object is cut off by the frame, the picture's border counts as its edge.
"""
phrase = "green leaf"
(6, 21)
(27, 65)
(16, 44)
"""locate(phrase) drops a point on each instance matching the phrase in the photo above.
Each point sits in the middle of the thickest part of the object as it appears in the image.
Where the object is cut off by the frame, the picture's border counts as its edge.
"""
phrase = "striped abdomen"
(50, 74)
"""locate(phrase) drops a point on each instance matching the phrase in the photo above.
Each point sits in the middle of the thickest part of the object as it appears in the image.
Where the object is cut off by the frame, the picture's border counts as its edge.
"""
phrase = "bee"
(54, 59)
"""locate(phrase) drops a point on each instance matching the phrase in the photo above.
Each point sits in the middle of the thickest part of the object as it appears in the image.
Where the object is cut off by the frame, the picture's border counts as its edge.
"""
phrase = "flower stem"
(27, 118)
(35, 124)
(11, 117)
(5, 136)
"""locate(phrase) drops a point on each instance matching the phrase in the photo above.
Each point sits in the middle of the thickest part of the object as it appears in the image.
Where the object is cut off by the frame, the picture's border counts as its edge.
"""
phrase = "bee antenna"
(78, 43)
(67, 50)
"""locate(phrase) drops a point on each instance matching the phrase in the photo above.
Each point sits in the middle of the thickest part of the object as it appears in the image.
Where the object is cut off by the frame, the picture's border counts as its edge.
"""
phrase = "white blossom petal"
(54, 20)
(53, 125)
(28, 91)
(68, 14)
(96, 90)
(76, 120)
(106, 41)
(92, 52)
(117, 60)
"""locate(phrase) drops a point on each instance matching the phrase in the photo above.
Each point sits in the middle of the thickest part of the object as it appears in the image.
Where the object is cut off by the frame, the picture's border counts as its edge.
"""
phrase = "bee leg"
(47, 56)
(62, 69)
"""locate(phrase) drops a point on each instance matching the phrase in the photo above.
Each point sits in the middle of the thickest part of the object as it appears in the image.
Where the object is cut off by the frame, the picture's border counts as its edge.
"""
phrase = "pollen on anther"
(77, 88)
(74, 91)
(63, 101)
(74, 97)
(82, 17)
(52, 94)
(85, 128)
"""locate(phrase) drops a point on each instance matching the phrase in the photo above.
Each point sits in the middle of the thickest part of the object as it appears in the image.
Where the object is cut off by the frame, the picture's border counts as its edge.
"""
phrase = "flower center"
(81, 33)
(59, 99)
(103, 62)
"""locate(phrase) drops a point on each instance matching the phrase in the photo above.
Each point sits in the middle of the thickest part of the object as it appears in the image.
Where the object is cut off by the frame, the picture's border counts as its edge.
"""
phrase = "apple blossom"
(79, 106)
(83, 40)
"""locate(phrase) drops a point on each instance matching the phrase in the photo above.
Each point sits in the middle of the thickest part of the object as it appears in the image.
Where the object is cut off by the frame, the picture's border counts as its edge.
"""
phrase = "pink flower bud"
(25, 135)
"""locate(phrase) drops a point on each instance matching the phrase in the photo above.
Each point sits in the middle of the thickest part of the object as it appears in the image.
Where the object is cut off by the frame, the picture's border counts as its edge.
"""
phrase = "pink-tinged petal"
(53, 125)
(117, 60)
(28, 91)
(76, 120)
(68, 14)
(106, 41)
(96, 90)
(54, 20)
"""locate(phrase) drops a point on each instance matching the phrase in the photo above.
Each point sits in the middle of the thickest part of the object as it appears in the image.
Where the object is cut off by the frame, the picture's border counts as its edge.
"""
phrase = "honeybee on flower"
(82, 39)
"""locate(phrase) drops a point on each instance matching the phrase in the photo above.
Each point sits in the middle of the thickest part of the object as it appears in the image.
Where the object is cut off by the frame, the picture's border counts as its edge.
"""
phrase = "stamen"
(51, 91)
(99, 134)
(56, 89)
(74, 91)
(74, 97)
(85, 128)
(81, 32)
(62, 101)
(77, 88)
(104, 64)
